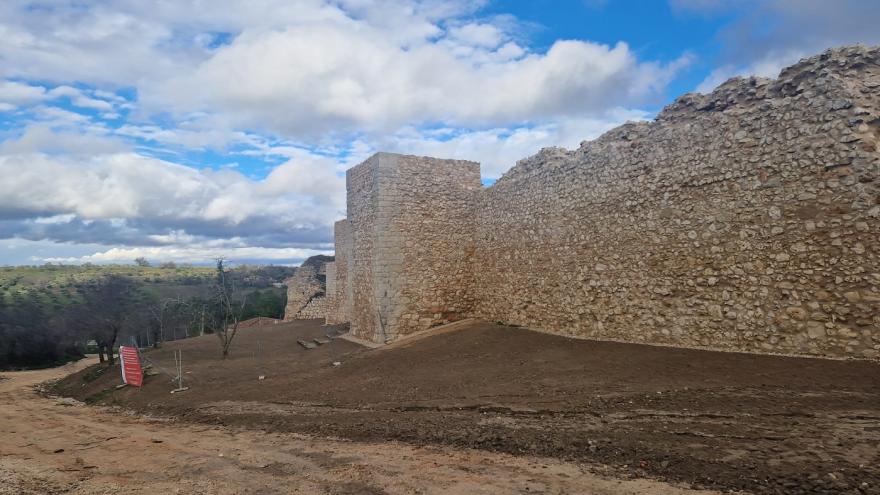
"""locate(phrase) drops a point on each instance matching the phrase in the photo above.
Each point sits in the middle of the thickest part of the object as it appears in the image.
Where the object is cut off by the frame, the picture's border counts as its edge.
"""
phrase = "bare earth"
(49, 447)
(709, 420)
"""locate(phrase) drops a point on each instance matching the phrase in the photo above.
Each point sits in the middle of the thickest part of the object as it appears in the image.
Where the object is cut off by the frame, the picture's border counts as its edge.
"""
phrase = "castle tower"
(407, 247)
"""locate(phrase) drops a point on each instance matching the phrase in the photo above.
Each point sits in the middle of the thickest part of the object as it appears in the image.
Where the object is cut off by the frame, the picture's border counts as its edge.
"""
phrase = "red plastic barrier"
(130, 361)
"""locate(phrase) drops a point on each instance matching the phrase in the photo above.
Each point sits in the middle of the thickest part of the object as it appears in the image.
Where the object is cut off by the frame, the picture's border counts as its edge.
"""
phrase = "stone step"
(336, 333)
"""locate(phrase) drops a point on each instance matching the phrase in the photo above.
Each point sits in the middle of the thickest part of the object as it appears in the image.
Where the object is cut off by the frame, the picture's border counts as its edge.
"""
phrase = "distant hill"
(318, 261)
(41, 326)
(55, 286)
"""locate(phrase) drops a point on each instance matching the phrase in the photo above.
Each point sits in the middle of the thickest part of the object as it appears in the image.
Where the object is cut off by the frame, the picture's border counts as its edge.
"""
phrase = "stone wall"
(316, 308)
(361, 203)
(412, 230)
(306, 284)
(338, 277)
(746, 219)
(331, 289)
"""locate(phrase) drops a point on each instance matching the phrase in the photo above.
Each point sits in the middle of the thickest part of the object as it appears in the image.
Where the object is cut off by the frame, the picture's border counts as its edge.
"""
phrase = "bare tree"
(163, 314)
(141, 261)
(228, 309)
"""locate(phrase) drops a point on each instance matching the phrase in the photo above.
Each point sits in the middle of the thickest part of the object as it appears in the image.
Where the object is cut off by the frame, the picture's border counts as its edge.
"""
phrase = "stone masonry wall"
(307, 284)
(747, 219)
(332, 294)
(435, 220)
(361, 203)
(343, 270)
(339, 285)
(315, 308)
(412, 230)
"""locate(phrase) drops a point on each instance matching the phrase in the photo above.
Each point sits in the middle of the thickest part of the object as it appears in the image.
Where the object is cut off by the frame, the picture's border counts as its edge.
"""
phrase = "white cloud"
(766, 36)
(126, 42)
(98, 179)
(498, 149)
(302, 68)
(476, 34)
(43, 138)
(14, 94)
(191, 254)
(60, 116)
(195, 138)
(319, 84)
(307, 174)
(767, 66)
(77, 98)
(314, 79)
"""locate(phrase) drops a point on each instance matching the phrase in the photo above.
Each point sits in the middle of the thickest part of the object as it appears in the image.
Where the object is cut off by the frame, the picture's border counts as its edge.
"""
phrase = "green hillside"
(49, 313)
(55, 286)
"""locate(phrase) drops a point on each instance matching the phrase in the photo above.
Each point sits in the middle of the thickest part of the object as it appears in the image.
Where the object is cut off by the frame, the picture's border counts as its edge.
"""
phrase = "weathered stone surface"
(306, 290)
(409, 245)
(746, 219)
(340, 297)
(307, 344)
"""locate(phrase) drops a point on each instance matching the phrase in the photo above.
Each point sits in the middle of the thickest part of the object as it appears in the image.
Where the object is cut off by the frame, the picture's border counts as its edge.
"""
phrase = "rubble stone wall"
(316, 308)
(307, 284)
(747, 219)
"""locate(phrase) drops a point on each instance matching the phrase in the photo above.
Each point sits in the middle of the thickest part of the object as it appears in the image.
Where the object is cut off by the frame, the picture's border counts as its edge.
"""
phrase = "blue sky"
(180, 131)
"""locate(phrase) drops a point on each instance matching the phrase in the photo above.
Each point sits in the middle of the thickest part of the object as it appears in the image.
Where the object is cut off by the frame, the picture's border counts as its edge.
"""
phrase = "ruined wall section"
(330, 272)
(307, 284)
(316, 308)
(747, 219)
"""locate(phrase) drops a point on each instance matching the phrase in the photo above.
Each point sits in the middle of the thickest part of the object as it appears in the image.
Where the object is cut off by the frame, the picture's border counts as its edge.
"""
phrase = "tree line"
(115, 309)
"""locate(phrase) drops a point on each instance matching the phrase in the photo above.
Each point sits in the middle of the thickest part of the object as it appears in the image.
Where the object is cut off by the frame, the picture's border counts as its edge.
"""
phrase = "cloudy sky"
(185, 130)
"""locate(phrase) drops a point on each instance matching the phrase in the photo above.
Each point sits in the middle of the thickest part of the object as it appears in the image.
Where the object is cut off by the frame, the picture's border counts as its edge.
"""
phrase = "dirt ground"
(52, 446)
(726, 421)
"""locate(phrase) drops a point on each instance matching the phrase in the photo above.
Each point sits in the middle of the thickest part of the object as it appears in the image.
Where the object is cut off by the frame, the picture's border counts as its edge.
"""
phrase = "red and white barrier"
(130, 361)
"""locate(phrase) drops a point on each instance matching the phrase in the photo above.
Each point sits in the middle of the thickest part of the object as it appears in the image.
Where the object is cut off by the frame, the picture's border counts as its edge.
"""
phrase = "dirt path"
(48, 447)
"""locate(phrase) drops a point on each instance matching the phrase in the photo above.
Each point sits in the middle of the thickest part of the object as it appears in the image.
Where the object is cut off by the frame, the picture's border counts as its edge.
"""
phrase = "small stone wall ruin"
(747, 219)
(306, 290)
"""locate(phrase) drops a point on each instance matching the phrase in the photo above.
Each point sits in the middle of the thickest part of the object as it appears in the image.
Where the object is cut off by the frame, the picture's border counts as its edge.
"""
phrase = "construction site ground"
(475, 405)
